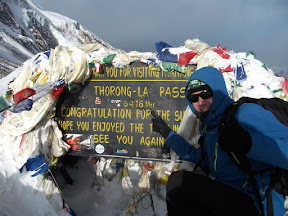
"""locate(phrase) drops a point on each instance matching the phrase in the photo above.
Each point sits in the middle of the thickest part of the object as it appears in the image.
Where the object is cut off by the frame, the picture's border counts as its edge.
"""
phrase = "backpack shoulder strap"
(229, 125)
(229, 113)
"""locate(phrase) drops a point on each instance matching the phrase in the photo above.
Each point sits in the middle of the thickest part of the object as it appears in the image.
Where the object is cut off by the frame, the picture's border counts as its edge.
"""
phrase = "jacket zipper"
(215, 157)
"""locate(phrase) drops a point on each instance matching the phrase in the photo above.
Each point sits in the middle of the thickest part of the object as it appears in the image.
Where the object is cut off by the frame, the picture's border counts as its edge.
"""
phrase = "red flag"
(184, 58)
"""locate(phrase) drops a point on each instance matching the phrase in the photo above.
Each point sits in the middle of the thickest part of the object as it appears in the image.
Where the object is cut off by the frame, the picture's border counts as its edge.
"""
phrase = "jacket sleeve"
(185, 150)
(269, 136)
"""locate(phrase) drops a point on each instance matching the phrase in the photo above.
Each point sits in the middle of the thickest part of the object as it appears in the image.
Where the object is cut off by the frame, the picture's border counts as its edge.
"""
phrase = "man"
(230, 192)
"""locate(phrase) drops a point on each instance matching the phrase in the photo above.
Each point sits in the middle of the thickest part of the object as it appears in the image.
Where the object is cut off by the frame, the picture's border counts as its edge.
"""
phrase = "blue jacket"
(269, 142)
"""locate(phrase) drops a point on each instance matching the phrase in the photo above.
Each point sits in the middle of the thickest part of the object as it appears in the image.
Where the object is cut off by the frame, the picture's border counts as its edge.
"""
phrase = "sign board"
(111, 115)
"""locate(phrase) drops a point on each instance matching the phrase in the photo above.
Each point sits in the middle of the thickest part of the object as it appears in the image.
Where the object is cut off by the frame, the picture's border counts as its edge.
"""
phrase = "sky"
(260, 26)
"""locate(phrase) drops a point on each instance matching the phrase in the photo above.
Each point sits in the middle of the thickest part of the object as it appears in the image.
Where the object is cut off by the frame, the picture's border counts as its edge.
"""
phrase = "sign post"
(111, 115)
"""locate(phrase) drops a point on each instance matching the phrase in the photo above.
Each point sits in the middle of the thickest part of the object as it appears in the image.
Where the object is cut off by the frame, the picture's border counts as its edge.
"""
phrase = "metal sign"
(111, 115)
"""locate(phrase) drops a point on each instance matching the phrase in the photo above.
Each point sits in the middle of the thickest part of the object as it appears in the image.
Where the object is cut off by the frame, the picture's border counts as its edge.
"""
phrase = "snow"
(23, 18)
(64, 39)
(55, 18)
(56, 21)
(15, 44)
(110, 199)
(4, 53)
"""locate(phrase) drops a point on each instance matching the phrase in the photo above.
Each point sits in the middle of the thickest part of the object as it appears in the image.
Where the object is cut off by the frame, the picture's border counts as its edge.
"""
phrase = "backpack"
(230, 128)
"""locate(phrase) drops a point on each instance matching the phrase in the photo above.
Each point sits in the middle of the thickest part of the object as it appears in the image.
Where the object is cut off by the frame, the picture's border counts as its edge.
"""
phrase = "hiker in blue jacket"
(229, 191)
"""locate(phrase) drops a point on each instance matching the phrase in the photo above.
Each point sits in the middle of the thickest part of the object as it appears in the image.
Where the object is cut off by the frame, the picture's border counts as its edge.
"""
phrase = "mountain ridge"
(27, 29)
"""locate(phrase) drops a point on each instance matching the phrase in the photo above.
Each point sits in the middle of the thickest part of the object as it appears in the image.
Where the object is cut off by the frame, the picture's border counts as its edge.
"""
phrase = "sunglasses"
(193, 98)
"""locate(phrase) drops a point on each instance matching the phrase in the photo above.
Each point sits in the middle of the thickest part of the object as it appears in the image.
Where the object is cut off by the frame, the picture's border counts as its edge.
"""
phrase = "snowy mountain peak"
(26, 29)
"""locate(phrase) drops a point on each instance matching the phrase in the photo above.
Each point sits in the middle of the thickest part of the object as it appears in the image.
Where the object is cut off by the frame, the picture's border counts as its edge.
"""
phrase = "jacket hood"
(221, 99)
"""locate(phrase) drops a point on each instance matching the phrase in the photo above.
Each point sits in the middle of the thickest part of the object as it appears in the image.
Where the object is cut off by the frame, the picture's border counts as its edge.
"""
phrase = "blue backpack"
(230, 129)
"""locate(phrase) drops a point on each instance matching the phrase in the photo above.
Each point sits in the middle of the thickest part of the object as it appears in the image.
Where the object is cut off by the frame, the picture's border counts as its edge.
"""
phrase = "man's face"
(202, 105)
